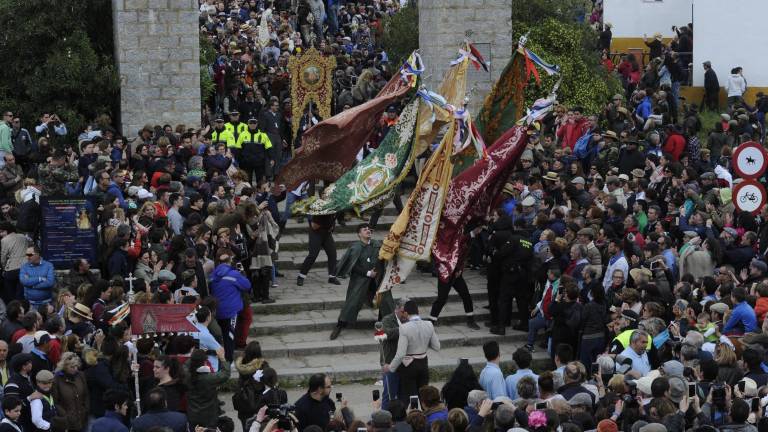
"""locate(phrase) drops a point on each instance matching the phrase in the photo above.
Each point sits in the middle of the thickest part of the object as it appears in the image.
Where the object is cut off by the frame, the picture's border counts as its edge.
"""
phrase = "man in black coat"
(711, 88)
(511, 259)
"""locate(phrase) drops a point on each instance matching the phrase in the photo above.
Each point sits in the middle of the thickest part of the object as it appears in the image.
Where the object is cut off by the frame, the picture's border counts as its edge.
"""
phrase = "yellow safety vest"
(224, 136)
(624, 337)
(257, 137)
(236, 131)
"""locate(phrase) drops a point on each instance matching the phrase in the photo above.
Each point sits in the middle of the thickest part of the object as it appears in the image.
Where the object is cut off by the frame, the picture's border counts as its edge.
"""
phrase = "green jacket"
(203, 397)
(5, 137)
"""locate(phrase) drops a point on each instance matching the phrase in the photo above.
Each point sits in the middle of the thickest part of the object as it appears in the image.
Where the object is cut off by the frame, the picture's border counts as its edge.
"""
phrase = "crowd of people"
(617, 248)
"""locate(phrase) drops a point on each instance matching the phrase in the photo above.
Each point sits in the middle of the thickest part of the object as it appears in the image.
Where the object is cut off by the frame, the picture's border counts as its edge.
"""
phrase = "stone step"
(364, 367)
(301, 344)
(291, 298)
(293, 227)
(321, 321)
(300, 242)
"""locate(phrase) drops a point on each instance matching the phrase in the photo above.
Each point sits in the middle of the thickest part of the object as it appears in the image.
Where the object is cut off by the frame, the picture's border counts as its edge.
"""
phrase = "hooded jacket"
(226, 285)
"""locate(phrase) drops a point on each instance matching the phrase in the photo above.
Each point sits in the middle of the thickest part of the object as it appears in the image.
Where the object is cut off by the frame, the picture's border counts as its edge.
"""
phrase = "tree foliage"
(207, 58)
(556, 35)
(58, 58)
(401, 34)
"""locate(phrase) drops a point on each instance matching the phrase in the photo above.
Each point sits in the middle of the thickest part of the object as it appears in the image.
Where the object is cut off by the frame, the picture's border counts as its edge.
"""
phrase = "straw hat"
(82, 310)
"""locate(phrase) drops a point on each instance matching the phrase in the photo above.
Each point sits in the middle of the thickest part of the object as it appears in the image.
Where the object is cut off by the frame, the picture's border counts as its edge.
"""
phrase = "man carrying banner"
(361, 263)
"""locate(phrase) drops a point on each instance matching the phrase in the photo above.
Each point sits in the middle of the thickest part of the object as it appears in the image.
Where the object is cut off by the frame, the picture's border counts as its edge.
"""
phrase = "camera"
(280, 412)
(718, 396)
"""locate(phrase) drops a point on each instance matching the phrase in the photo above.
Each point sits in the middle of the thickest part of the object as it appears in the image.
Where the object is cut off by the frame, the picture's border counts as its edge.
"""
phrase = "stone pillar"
(157, 52)
(443, 26)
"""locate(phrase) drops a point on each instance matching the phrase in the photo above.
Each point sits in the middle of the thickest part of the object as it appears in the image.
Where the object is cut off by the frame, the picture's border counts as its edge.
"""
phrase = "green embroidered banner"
(372, 180)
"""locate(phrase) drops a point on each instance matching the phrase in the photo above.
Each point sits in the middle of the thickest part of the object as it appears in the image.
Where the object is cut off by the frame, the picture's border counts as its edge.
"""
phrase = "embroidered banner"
(375, 177)
(470, 196)
(161, 318)
(328, 149)
(411, 237)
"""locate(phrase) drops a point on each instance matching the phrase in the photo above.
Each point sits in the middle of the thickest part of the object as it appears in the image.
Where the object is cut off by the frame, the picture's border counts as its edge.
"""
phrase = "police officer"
(512, 256)
(253, 148)
(234, 125)
(220, 134)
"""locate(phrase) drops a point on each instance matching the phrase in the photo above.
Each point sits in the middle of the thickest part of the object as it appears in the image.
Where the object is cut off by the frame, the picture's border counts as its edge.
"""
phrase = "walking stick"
(134, 359)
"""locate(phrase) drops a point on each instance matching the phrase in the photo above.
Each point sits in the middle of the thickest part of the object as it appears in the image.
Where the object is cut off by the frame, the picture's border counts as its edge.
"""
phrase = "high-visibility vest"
(224, 136)
(625, 336)
(258, 137)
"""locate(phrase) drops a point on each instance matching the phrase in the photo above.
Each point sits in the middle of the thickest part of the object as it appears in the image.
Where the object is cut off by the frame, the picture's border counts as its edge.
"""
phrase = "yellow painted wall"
(693, 95)
(622, 45)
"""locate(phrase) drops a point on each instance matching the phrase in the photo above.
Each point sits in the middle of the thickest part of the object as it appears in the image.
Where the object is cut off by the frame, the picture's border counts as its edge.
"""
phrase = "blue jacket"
(742, 319)
(111, 422)
(37, 281)
(113, 189)
(644, 109)
(226, 285)
(176, 421)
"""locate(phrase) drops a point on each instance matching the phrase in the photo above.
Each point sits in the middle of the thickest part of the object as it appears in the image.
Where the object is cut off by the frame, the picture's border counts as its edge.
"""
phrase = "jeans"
(290, 198)
(391, 387)
(537, 323)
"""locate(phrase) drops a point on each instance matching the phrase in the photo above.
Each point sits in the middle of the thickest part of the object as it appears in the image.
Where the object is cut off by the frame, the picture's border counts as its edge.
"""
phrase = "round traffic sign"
(749, 196)
(749, 160)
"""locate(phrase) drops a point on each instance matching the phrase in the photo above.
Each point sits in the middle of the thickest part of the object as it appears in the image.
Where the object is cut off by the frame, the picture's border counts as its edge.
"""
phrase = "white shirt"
(619, 264)
(640, 363)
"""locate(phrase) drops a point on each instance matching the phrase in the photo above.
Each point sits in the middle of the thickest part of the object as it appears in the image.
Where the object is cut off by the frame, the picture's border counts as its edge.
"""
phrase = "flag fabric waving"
(470, 196)
(329, 148)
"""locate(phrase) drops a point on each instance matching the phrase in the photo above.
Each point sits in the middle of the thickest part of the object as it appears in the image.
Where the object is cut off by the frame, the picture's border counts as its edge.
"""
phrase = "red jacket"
(569, 133)
(674, 145)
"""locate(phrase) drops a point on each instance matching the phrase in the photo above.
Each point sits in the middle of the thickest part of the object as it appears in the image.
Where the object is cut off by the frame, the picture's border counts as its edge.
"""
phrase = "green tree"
(401, 34)
(207, 58)
(557, 36)
(57, 58)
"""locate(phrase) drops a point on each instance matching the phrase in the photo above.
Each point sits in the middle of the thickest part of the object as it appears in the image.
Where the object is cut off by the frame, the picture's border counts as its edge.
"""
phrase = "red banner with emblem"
(161, 318)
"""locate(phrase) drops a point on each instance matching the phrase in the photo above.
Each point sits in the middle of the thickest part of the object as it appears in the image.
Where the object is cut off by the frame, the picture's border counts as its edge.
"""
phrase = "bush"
(572, 46)
(401, 34)
(57, 58)
(207, 59)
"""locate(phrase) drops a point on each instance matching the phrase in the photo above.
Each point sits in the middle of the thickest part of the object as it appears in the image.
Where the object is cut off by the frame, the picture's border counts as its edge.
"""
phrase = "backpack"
(247, 399)
(30, 216)
(581, 148)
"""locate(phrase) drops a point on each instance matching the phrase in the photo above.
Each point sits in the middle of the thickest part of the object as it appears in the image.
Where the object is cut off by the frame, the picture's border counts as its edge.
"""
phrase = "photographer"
(314, 406)
(48, 123)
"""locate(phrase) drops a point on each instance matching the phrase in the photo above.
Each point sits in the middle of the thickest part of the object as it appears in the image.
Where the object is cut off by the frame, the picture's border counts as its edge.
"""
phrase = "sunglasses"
(30, 254)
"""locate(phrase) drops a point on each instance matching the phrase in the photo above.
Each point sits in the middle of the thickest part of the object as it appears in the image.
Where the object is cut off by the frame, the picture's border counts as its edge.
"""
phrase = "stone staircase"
(294, 331)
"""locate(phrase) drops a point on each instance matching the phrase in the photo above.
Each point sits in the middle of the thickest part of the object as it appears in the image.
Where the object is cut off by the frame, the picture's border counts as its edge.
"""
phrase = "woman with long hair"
(463, 380)
(168, 374)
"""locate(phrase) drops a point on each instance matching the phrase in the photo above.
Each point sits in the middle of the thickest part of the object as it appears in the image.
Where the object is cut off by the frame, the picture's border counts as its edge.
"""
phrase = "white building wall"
(633, 18)
(731, 34)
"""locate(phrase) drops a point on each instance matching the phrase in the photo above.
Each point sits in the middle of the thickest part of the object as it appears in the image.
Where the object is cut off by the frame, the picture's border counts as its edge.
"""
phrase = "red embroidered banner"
(470, 196)
(161, 318)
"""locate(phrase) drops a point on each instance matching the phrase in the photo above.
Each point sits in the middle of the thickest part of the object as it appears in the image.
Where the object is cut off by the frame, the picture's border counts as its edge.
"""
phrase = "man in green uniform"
(361, 263)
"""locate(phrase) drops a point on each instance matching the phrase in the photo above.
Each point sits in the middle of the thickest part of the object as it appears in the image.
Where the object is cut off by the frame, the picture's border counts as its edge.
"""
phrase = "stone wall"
(443, 26)
(157, 52)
